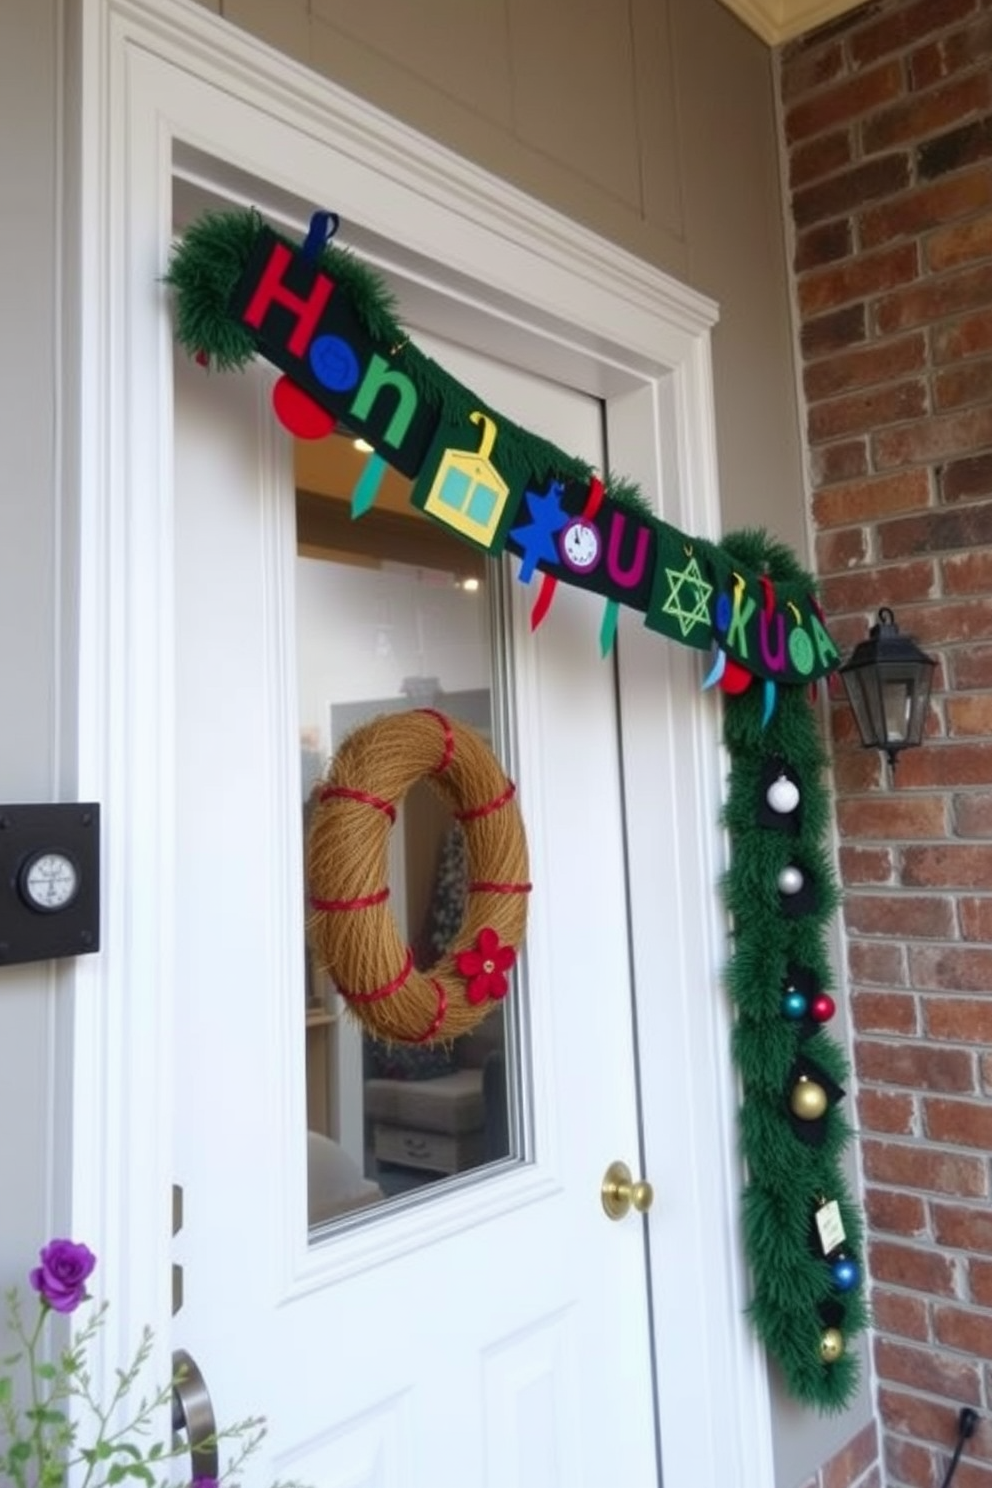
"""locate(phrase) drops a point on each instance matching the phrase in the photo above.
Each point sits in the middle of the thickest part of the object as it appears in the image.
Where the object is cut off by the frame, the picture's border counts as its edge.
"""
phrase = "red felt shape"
(735, 678)
(298, 412)
(542, 604)
(485, 967)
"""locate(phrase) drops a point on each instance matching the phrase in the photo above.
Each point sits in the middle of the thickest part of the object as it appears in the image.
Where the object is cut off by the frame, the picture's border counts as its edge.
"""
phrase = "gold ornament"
(831, 1345)
(808, 1100)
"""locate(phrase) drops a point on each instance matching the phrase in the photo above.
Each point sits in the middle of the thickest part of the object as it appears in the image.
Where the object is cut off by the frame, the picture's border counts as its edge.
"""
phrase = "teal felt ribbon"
(367, 485)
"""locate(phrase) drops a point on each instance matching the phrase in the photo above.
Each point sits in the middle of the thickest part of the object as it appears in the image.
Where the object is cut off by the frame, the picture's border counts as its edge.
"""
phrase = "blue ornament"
(794, 1004)
(846, 1273)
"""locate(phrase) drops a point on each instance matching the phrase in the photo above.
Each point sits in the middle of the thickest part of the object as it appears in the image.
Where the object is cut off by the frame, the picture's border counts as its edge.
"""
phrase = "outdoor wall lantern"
(887, 680)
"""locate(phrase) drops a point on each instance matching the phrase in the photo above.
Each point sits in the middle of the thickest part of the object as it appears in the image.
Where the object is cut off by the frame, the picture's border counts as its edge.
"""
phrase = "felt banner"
(321, 317)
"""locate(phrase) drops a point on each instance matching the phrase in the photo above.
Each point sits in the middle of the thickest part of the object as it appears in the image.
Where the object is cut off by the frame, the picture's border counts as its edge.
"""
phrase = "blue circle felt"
(724, 613)
(334, 363)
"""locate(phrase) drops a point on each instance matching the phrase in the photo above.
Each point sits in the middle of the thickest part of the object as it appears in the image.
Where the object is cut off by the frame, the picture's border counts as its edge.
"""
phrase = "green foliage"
(203, 273)
(794, 1297)
(53, 1426)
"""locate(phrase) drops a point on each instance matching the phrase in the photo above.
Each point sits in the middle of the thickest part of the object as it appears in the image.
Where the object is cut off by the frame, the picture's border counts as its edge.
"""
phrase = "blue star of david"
(696, 614)
(538, 538)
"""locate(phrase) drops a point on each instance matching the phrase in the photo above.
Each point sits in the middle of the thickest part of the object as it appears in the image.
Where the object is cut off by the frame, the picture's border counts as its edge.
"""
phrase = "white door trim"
(573, 297)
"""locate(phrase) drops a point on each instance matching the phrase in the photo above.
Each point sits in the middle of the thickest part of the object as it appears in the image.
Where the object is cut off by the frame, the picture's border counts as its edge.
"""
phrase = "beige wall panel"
(393, 87)
(461, 50)
(573, 89)
(660, 150)
(736, 253)
(285, 25)
(32, 527)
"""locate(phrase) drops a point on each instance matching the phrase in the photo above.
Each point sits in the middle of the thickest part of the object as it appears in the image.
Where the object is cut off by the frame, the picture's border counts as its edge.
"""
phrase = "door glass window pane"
(392, 614)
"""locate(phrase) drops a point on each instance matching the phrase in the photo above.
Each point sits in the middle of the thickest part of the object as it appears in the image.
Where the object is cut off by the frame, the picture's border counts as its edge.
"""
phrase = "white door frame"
(574, 299)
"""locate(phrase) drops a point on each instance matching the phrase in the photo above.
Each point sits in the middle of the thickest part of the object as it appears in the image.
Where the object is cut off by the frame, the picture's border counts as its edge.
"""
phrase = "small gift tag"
(830, 1227)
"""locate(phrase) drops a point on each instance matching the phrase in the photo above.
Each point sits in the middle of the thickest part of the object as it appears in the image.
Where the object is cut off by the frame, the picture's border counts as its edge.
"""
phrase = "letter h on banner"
(271, 290)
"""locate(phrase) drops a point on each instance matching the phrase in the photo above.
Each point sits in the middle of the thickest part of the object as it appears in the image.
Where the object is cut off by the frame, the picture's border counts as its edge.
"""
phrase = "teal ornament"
(846, 1274)
(794, 1004)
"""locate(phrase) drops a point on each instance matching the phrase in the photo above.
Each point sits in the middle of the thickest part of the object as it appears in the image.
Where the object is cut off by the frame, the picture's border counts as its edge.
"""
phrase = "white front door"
(498, 1332)
(468, 1334)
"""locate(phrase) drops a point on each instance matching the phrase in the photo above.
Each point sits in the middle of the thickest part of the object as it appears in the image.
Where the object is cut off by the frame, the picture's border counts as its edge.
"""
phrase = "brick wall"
(854, 1467)
(887, 118)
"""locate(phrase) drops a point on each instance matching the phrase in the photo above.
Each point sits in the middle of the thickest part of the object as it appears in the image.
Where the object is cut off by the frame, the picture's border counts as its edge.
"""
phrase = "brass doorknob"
(620, 1193)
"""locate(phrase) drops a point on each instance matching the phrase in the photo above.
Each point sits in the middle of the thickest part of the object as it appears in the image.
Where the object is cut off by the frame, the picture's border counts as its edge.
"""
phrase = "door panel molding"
(168, 90)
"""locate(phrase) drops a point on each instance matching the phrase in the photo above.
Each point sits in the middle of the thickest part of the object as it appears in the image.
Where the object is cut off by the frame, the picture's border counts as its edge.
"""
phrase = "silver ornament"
(782, 795)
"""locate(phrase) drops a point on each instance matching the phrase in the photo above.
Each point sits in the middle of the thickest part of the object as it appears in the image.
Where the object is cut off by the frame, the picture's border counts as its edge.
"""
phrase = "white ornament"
(783, 795)
(791, 880)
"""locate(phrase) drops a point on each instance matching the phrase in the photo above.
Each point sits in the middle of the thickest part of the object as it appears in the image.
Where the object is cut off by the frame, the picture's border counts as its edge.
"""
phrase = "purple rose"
(61, 1277)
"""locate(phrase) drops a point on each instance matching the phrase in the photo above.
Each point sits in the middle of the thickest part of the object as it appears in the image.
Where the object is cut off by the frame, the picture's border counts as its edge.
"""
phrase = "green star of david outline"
(699, 614)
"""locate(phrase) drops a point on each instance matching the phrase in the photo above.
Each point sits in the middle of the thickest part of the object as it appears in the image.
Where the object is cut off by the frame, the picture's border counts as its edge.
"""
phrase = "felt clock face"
(580, 545)
(49, 881)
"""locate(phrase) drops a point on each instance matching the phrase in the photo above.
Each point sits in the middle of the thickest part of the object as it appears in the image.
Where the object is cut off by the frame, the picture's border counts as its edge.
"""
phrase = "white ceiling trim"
(776, 21)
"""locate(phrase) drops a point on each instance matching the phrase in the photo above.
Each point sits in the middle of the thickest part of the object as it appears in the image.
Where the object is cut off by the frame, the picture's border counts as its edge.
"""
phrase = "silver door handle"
(193, 1412)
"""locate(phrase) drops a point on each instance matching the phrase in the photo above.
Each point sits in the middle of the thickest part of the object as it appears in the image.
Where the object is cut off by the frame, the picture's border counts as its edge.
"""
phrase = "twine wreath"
(352, 930)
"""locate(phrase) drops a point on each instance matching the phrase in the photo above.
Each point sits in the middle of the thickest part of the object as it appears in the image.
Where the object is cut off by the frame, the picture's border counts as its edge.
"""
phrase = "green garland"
(807, 1303)
(795, 1299)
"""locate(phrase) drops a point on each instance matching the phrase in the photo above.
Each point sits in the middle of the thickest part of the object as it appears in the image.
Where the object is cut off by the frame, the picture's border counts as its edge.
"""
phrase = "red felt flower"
(485, 967)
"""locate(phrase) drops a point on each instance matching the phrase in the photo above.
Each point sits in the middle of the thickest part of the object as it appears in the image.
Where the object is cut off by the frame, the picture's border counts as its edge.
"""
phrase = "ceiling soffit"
(776, 21)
